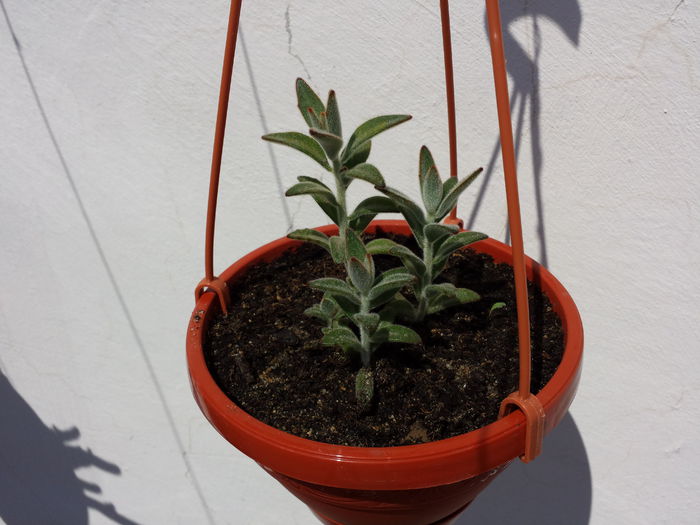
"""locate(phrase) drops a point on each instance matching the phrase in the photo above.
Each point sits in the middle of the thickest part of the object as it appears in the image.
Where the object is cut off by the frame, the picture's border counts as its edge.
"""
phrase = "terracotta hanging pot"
(406, 485)
(425, 484)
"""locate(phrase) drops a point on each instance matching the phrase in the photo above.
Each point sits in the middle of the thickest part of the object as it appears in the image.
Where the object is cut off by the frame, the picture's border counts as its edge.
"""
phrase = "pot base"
(445, 521)
(428, 506)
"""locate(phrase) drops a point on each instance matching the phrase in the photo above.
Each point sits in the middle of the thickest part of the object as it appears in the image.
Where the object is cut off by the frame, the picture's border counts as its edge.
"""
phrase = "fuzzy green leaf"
(330, 208)
(337, 249)
(374, 205)
(449, 184)
(438, 304)
(463, 295)
(410, 210)
(348, 306)
(360, 275)
(394, 271)
(431, 190)
(307, 98)
(357, 155)
(381, 246)
(354, 247)
(388, 286)
(367, 321)
(372, 127)
(315, 311)
(304, 178)
(443, 302)
(330, 143)
(396, 333)
(364, 387)
(366, 172)
(312, 236)
(302, 143)
(444, 295)
(450, 245)
(387, 295)
(325, 201)
(368, 210)
(425, 162)
(310, 188)
(398, 308)
(411, 261)
(333, 115)
(323, 120)
(315, 120)
(343, 337)
(435, 232)
(336, 288)
(450, 199)
(328, 306)
(458, 241)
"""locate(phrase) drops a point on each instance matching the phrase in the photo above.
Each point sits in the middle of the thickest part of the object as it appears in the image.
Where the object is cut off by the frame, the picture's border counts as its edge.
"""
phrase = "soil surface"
(266, 356)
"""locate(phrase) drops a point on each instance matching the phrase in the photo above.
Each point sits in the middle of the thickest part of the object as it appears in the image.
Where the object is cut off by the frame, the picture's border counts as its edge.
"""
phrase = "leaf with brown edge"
(300, 142)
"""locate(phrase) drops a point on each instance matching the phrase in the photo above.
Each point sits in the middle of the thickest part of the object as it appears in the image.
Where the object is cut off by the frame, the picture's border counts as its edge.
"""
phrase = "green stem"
(365, 336)
(426, 280)
(341, 198)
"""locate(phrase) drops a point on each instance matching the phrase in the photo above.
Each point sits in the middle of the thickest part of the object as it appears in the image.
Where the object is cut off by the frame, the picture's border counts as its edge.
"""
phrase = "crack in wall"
(263, 122)
(290, 38)
(675, 10)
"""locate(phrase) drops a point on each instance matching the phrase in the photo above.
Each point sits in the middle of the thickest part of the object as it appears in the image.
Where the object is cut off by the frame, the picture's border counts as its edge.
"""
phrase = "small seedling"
(495, 307)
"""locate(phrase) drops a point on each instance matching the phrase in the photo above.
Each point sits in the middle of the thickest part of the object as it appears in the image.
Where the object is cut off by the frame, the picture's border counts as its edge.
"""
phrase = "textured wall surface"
(106, 123)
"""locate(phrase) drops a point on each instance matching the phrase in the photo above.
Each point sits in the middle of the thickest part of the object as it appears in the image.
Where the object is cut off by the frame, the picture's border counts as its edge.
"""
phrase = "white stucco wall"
(106, 122)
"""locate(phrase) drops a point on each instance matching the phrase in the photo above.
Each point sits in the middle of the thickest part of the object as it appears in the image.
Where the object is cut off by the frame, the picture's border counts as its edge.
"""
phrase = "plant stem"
(341, 198)
(364, 335)
(425, 281)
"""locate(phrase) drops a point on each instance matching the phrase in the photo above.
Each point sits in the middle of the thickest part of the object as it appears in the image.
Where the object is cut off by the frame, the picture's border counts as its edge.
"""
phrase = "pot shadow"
(38, 483)
(524, 72)
(555, 488)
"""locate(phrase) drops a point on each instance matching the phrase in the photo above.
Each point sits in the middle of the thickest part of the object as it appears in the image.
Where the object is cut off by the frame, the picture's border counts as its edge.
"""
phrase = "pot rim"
(429, 464)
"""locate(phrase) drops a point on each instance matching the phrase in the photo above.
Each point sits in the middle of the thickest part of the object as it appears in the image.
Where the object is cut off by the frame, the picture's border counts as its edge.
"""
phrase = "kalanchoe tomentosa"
(357, 300)
(436, 241)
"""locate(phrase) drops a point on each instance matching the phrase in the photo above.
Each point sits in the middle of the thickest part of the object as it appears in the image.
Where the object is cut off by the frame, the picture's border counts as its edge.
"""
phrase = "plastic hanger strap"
(210, 281)
(450, 98)
(522, 399)
(534, 421)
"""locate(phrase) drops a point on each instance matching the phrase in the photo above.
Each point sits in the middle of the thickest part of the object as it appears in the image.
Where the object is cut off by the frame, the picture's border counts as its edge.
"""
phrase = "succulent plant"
(360, 313)
(356, 301)
(324, 143)
(436, 241)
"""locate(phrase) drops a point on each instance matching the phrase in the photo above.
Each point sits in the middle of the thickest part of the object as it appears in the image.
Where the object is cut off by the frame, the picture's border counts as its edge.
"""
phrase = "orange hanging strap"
(450, 96)
(210, 281)
(523, 399)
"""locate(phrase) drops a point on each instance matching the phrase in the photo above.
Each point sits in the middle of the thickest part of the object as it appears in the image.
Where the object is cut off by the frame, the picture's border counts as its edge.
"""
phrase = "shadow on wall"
(524, 73)
(38, 483)
(554, 489)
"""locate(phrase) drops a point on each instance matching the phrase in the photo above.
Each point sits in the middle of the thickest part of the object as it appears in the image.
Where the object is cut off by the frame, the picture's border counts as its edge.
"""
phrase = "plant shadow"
(555, 488)
(38, 482)
(525, 101)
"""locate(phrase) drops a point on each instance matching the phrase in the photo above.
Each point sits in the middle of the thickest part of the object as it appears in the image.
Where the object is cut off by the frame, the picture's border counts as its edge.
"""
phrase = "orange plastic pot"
(422, 484)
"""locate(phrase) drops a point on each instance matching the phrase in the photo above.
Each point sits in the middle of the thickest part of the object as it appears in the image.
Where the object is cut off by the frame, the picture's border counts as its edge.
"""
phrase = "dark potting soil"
(266, 356)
